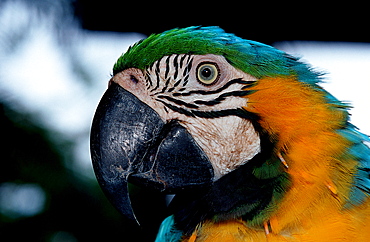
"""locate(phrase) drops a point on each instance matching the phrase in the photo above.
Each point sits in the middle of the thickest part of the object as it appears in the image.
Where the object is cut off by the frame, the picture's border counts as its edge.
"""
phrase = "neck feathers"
(317, 145)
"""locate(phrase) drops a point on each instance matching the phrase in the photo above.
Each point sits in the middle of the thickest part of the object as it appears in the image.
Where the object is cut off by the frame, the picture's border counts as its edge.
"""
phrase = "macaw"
(243, 135)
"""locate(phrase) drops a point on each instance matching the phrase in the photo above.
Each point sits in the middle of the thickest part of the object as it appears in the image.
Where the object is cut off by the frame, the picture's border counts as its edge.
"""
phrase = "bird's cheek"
(133, 81)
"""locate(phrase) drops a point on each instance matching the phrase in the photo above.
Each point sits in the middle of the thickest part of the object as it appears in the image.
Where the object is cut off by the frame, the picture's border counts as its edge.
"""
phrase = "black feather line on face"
(167, 67)
(176, 65)
(176, 101)
(239, 112)
(223, 96)
(203, 92)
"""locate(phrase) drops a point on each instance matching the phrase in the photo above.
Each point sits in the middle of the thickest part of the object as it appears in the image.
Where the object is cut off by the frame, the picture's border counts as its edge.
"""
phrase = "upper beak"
(131, 143)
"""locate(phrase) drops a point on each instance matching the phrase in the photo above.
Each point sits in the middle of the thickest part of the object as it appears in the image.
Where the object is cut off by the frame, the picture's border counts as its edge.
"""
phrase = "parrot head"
(200, 109)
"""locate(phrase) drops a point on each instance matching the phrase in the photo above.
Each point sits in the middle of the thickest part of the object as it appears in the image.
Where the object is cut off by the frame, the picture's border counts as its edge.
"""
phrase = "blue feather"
(361, 153)
(167, 232)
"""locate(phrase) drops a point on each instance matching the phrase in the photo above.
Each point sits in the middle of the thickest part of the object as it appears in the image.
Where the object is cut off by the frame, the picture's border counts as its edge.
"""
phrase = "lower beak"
(131, 143)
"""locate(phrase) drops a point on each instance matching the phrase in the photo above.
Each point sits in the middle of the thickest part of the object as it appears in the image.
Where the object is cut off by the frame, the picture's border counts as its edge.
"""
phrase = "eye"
(208, 73)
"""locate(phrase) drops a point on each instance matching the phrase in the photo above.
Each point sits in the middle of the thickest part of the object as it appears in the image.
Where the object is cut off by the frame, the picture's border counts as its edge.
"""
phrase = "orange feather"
(303, 122)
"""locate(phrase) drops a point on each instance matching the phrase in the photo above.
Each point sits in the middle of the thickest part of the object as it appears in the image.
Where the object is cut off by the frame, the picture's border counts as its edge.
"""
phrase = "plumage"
(252, 57)
(288, 164)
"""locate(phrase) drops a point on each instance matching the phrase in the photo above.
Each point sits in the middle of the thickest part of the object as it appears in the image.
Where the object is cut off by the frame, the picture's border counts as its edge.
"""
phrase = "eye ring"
(208, 73)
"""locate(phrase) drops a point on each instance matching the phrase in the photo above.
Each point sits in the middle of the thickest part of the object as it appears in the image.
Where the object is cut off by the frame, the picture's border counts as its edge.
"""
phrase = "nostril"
(134, 79)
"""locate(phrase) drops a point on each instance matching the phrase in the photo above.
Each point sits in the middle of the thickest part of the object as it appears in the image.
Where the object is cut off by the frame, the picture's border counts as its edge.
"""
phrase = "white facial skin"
(228, 141)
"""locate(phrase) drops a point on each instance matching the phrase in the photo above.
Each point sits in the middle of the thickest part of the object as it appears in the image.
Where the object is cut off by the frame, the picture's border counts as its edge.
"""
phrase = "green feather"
(252, 57)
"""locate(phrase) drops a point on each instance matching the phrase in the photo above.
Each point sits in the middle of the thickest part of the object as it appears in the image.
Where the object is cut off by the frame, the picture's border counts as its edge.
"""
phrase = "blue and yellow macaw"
(242, 133)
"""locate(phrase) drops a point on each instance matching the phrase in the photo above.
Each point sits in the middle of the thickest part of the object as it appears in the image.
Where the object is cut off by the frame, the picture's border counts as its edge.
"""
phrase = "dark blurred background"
(55, 60)
(263, 21)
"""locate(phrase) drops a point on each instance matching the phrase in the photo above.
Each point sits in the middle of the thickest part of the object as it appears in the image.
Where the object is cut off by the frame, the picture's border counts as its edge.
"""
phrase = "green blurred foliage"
(75, 209)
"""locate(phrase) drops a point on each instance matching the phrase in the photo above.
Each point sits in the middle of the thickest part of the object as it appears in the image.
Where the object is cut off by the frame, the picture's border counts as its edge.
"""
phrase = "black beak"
(131, 143)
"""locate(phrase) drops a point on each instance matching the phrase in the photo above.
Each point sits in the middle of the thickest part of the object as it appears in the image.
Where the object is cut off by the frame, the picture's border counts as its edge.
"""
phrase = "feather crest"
(252, 57)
